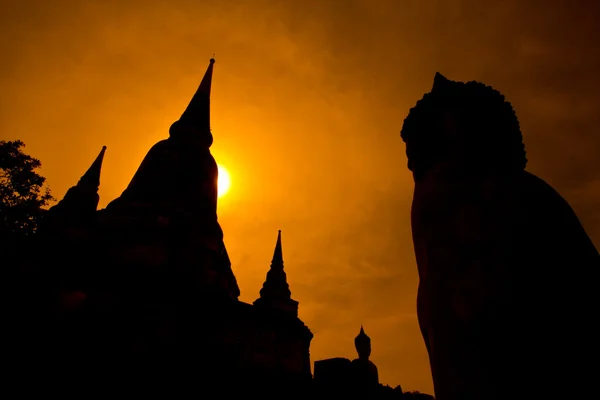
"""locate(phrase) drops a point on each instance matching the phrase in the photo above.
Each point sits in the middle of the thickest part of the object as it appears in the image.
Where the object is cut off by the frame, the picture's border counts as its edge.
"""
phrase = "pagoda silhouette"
(139, 298)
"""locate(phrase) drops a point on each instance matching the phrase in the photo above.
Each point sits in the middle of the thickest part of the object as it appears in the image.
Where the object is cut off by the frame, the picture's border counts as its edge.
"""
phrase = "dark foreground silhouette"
(508, 292)
(139, 299)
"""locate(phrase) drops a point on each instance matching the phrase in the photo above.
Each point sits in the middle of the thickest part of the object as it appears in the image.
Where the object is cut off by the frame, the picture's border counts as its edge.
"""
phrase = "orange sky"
(308, 100)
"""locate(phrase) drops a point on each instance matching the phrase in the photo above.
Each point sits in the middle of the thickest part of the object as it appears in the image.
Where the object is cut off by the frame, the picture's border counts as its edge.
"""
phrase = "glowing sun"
(224, 182)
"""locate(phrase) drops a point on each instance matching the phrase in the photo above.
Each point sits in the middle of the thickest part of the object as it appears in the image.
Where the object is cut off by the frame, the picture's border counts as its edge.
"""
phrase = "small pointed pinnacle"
(278, 253)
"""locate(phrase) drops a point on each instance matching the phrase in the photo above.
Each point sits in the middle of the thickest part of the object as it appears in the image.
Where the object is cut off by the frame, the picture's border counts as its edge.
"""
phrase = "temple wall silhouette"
(140, 296)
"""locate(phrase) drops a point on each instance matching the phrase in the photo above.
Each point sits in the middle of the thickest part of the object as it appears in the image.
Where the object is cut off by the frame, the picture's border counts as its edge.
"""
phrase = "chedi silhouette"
(507, 300)
(140, 298)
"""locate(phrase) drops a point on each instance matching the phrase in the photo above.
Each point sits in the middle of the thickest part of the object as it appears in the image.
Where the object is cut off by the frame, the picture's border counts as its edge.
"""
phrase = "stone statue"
(365, 374)
(507, 300)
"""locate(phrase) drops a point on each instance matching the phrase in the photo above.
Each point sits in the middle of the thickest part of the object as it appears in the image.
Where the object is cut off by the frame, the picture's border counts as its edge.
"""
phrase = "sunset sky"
(308, 99)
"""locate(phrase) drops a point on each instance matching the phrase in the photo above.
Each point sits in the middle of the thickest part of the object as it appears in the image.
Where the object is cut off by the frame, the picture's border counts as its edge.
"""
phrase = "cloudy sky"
(307, 103)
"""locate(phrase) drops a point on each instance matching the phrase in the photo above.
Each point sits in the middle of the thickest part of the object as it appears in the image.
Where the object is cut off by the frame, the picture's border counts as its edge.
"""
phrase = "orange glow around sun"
(224, 182)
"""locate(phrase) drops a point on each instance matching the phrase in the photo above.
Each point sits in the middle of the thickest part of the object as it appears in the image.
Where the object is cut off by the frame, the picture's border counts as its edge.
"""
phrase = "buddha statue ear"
(439, 82)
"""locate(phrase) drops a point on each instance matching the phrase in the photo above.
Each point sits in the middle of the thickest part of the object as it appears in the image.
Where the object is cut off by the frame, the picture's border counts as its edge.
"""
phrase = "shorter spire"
(91, 177)
(276, 291)
(83, 198)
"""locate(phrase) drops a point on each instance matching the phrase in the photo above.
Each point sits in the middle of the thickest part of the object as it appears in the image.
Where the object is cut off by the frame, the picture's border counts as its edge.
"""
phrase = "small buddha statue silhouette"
(364, 371)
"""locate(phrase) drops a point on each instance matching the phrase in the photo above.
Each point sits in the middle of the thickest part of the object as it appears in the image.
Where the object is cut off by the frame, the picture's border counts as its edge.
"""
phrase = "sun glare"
(224, 182)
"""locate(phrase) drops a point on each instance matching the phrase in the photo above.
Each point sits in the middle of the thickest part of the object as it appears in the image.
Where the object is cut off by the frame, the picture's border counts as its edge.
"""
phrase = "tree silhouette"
(22, 192)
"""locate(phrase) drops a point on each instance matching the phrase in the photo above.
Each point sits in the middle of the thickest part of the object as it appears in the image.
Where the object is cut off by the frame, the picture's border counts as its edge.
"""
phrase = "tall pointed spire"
(277, 261)
(195, 120)
(275, 292)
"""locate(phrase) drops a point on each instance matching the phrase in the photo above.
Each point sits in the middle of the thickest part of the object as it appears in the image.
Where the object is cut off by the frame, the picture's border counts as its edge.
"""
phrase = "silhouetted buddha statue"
(508, 297)
(365, 374)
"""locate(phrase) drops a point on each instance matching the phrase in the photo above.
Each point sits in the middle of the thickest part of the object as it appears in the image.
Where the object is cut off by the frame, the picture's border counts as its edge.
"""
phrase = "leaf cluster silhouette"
(23, 195)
